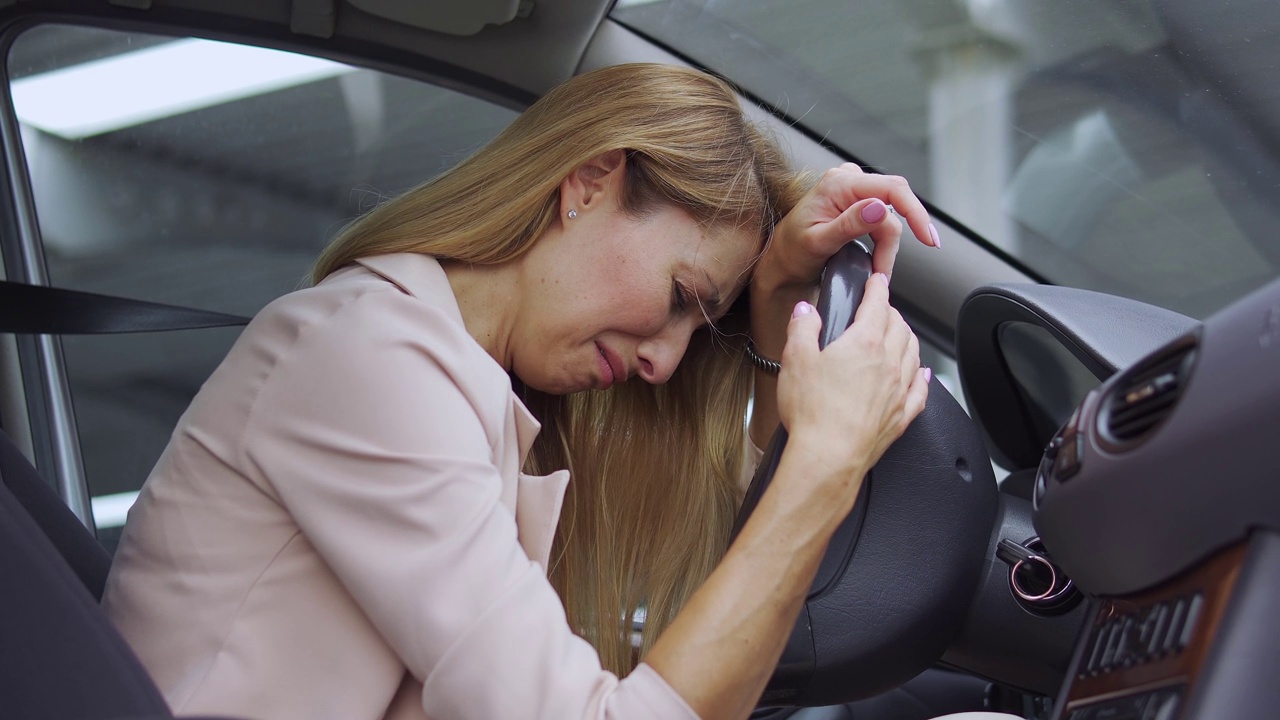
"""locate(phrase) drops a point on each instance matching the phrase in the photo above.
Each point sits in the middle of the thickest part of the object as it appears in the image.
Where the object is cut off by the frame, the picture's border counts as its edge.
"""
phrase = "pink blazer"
(339, 527)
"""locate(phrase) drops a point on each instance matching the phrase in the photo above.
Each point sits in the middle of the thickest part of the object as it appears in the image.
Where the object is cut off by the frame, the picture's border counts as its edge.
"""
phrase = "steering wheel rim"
(900, 572)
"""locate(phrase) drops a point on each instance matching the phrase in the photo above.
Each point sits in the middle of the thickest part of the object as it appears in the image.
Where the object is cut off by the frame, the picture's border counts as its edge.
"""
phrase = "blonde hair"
(655, 468)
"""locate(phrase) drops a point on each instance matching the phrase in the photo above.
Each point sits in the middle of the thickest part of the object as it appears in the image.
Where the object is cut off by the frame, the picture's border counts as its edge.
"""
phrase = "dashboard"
(1158, 497)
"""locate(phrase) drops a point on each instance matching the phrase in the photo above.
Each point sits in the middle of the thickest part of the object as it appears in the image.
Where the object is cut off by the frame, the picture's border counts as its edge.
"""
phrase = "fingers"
(864, 217)
(851, 188)
(867, 386)
(845, 204)
(911, 356)
(896, 191)
(887, 237)
(802, 335)
(900, 348)
(873, 311)
(868, 217)
(917, 394)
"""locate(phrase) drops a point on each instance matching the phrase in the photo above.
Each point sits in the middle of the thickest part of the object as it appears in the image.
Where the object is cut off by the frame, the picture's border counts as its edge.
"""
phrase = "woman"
(340, 526)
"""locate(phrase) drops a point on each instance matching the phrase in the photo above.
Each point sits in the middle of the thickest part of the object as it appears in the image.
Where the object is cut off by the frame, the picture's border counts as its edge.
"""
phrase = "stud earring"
(573, 214)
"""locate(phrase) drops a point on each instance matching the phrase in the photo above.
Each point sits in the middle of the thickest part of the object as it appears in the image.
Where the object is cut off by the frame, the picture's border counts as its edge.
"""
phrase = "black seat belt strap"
(36, 309)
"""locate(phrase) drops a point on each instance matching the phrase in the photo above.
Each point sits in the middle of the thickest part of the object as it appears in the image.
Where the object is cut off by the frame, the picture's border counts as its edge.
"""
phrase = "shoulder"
(360, 334)
(361, 314)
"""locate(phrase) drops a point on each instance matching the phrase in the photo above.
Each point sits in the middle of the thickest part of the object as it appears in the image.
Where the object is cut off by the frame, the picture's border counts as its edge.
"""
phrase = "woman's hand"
(845, 204)
(845, 405)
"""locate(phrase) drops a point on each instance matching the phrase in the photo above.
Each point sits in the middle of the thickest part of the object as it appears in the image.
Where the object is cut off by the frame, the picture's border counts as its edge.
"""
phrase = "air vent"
(1145, 395)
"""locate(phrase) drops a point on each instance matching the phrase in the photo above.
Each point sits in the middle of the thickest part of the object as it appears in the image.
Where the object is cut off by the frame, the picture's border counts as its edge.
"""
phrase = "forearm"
(771, 307)
(720, 650)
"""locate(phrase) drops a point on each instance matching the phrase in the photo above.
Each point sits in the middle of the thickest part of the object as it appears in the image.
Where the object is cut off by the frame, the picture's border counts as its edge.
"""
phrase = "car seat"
(60, 657)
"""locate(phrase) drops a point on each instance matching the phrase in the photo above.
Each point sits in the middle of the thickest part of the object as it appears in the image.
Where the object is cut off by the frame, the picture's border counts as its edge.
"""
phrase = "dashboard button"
(1125, 656)
(1189, 625)
(1113, 644)
(1176, 619)
(1160, 626)
(1096, 647)
(1145, 631)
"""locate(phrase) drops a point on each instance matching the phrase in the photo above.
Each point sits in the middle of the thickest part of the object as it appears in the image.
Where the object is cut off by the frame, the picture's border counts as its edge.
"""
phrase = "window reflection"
(1126, 146)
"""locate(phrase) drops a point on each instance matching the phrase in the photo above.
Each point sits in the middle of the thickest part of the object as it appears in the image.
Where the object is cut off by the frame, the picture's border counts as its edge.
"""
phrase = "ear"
(593, 184)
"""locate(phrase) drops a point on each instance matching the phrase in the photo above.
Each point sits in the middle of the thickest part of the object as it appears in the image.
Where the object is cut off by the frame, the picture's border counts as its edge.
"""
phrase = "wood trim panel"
(1213, 580)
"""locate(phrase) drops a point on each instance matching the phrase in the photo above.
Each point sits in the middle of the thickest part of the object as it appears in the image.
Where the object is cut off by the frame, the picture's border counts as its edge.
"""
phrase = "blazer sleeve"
(365, 431)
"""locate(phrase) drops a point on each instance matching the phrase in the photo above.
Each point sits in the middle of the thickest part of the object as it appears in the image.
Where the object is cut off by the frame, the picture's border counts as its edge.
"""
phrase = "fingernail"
(874, 212)
(802, 308)
(928, 375)
(933, 235)
(883, 278)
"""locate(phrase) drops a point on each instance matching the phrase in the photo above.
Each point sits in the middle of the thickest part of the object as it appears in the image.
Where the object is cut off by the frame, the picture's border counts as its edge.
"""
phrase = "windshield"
(1126, 146)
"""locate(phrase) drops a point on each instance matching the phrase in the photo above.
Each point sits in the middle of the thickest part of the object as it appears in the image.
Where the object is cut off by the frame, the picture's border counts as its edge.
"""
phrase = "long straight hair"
(655, 469)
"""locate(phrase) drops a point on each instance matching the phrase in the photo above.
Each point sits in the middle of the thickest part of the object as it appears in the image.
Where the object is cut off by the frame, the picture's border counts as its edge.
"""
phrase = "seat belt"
(37, 309)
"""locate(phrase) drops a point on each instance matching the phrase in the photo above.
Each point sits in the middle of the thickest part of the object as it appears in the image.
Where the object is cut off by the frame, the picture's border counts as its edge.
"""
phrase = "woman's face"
(609, 296)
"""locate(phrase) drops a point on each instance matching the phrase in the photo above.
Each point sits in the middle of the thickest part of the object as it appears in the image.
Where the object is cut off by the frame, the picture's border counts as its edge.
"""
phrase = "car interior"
(1084, 524)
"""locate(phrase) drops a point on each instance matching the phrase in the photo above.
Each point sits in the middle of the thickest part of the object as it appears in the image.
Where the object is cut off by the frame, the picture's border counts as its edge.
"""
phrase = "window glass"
(206, 175)
(1127, 146)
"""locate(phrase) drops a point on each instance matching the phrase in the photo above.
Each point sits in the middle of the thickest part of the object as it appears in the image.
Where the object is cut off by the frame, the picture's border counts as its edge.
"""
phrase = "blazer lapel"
(538, 504)
(538, 498)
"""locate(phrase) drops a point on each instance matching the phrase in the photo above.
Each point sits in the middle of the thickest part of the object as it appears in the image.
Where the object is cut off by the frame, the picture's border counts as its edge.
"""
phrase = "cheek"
(644, 312)
(624, 302)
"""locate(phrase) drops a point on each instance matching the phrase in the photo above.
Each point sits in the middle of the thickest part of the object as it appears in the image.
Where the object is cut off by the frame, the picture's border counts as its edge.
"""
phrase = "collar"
(418, 275)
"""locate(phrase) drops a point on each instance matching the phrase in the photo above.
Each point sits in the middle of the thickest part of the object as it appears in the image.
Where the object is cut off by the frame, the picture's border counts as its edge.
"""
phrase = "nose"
(660, 354)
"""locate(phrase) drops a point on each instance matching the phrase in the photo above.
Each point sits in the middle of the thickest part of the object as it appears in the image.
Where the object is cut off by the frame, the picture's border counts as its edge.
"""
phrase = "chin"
(553, 386)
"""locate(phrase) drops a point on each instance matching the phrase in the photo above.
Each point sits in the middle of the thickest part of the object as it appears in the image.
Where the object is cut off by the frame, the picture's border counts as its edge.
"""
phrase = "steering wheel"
(898, 576)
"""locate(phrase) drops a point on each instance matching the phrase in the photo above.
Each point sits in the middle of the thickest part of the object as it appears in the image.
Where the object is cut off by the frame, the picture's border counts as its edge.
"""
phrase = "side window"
(208, 175)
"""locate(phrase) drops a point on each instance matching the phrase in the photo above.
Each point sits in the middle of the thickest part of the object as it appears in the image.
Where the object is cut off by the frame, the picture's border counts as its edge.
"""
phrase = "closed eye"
(681, 297)
(684, 299)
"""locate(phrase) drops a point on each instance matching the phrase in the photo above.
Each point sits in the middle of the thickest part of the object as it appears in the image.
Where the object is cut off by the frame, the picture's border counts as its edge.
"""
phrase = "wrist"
(830, 478)
(825, 449)
(770, 286)
(771, 308)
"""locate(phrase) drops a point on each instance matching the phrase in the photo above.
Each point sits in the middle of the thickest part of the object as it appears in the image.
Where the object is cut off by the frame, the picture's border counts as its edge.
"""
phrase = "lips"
(612, 369)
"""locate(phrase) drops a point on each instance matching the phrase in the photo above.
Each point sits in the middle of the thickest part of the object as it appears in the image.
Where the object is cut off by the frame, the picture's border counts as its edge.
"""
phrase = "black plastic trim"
(178, 22)
(1104, 332)
(1203, 481)
(39, 414)
(1001, 639)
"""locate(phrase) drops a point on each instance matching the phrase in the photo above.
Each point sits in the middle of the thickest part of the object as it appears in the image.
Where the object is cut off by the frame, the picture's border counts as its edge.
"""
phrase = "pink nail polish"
(874, 212)
(933, 235)
(883, 278)
(928, 375)
(802, 308)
